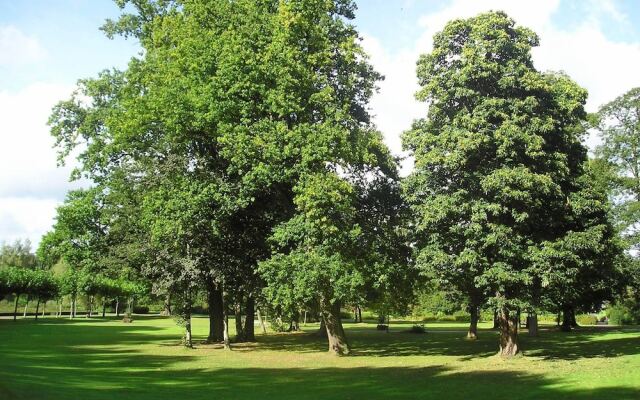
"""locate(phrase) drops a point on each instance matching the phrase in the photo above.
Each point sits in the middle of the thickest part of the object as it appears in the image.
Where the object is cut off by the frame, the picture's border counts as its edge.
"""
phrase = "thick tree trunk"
(216, 315)
(574, 323)
(249, 322)
(166, 309)
(472, 334)
(37, 308)
(566, 319)
(335, 332)
(508, 333)
(15, 308)
(238, 322)
(261, 319)
(532, 322)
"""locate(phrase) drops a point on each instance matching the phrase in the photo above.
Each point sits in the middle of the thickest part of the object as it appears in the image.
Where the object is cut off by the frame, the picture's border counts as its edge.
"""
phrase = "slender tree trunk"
(264, 328)
(70, 307)
(496, 320)
(15, 308)
(24, 312)
(37, 308)
(249, 322)
(533, 323)
(225, 332)
(566, 319)
(44, 307)
(216, 315)
(360, 313)
(472, 333)
(304, 322)
(322, 331)
(508, 333)
(188, 340)
(166, 308)
(60, 308)
(104, 309)
(335, 332)
(117, 308)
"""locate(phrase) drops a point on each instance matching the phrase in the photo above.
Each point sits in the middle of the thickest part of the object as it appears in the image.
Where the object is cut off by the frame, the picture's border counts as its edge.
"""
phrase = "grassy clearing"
(106, 359)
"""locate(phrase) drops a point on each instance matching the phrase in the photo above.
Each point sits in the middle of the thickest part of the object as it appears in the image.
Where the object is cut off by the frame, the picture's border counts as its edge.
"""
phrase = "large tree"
(495, 160)
(618, 123)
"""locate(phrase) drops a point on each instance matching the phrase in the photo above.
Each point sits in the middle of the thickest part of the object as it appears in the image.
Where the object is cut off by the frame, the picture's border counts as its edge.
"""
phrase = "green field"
(106, 359)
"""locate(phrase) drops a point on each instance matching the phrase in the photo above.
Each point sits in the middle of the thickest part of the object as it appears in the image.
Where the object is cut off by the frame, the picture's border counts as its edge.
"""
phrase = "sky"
(47, 45)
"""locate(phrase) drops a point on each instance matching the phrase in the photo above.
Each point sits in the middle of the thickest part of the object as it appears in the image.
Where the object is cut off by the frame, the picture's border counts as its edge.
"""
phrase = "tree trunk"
(15, 308)
(574, 323)
(188, 341)
(304, 322)
(472, 333)
(225, 332)
(166, 309)
(216, 317)
(24, 312)
(496, 320)
(44, 307)
(566, 319)
(249, 322)
(117, 308)
(264, 328)
(532, 320)
(508, 333)
(360, 313)
(335, 332)
(238, 321)
(322, 331)
(104, 309)
(37, 308)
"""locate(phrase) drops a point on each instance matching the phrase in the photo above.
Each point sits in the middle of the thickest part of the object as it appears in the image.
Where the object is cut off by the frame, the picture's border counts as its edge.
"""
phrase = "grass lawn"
(106, 359)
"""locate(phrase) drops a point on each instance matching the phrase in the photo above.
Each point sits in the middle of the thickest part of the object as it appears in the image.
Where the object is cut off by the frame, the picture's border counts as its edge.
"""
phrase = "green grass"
(106, 359)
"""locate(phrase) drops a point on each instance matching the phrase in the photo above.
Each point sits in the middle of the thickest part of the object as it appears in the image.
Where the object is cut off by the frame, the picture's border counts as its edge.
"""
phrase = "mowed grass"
(107, 359)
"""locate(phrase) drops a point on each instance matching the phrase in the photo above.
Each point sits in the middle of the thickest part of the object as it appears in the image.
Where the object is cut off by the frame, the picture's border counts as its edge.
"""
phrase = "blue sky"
(46, 45)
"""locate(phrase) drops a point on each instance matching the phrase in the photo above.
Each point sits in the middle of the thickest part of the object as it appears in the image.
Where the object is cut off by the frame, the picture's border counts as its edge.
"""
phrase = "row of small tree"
(43, 285)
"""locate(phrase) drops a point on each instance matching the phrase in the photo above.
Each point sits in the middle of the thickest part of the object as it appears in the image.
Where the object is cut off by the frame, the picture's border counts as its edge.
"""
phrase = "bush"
(277, 325)
(141, 310)
(382, 327)
(417, 328)
(586, 319)
(619, 315)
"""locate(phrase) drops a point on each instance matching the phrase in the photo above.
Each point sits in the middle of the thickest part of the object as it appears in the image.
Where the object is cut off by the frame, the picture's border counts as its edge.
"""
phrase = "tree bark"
(104, 309)
(322, 331)
(472, 333)
(216, 315)
(15, 308)
(496, 320)
(238, 321)
(188, 341)
(117, 308)
(24, 312)
(338, 344)
(225, 333)
(249, 322)
(360, 313)
(532, 320)
(574, 323)
(508, 333)
(566, 319)
(261, 319)
(37, 308)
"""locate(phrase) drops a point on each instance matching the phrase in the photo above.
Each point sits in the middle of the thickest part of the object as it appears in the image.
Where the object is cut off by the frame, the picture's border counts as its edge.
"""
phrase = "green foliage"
(586, 319)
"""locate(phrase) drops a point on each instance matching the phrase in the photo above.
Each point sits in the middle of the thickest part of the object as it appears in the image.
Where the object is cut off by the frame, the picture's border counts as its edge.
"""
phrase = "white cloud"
(17, 49)
(30, 183)
(606, 68)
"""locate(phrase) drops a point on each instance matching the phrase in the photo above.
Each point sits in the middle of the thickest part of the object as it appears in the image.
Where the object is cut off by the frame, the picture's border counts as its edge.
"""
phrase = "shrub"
(417, 328)
(619, 315)
(141, 310)
(586, 319)
(382, 327)
(277, 325)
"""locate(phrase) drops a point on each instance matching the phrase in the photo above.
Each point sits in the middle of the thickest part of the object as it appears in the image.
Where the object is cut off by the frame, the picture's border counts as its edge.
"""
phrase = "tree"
(17, 254)
(495, 160)
(618, 123)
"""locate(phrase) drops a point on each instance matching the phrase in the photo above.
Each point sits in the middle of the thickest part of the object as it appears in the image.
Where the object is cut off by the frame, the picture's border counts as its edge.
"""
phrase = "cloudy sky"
(46, 45)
